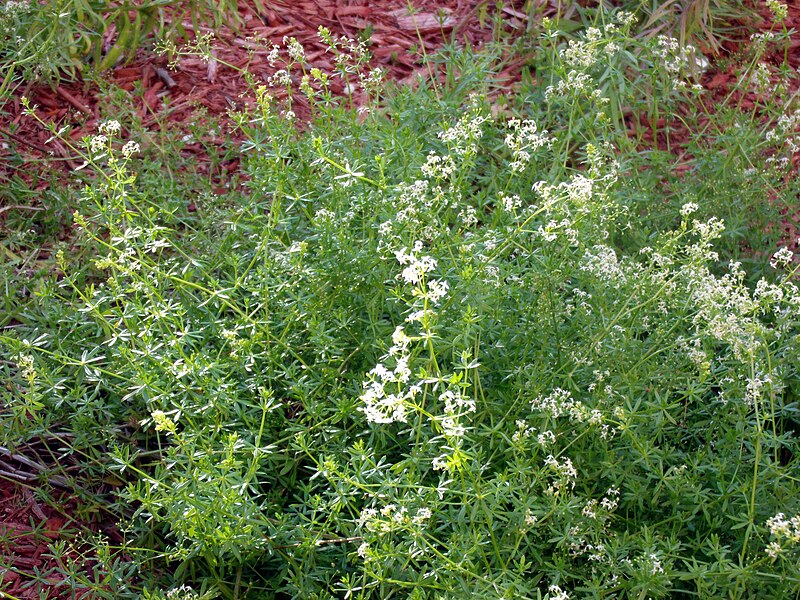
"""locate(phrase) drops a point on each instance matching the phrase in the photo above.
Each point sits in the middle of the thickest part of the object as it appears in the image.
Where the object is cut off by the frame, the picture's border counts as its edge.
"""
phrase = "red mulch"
(156, 92)
(29, 566)
(28, 526)
(26, 529)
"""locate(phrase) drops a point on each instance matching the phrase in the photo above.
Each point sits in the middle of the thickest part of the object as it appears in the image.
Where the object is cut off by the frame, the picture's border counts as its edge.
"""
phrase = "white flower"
(656, 567)
(401, 372)
(781, 258)
(452, 428)
(436, 290)
(417, 267)
(604, 265)
(689, 208)
(773, 549)
(400, 340)
(556, 593)
(281, 78)
(382, 373)
(110, 127)
(440, 463)
(182, 593)
(422, 516)
(546, 438)
(323, 214)
(273, 55)
(418, 315)
(565, 471)
(294, 49)
(785, 529)
(367, 516)
(453, 401)
(130, 148)
(624, 17)
(363, 549)
(98, 143)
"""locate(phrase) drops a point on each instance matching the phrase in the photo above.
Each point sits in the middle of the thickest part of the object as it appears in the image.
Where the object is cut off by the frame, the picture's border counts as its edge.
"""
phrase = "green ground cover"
(460, 343)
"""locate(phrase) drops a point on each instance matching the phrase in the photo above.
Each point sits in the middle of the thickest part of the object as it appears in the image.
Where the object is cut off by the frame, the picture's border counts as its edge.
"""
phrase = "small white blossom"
(98, 143)
(110, 127)
(556, 593)
(689, 208)
(781, 258)
(130, 148)
(773, 549)
(363, 549)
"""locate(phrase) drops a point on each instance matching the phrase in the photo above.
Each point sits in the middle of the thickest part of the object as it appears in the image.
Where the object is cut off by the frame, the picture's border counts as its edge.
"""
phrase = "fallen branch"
(19, 207)
(22, 140)
(73, 100)
(10, 471)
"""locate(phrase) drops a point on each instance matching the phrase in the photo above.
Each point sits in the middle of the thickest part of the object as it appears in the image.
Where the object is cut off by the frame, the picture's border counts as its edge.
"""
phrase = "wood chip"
(423, 21)
(211, 68)
(349, 11)
(515, 13)
(35, 508)
(72, 100)
(164, 76)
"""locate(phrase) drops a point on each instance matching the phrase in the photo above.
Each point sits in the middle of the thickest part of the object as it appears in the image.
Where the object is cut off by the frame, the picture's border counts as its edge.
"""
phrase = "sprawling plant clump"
(418, 359)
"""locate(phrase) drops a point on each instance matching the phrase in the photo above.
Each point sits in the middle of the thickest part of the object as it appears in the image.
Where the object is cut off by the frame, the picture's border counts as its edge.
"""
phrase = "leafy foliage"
(51, 40)
(433, 351)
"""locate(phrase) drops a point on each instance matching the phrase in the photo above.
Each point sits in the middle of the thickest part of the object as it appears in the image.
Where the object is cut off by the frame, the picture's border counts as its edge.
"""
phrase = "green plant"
(52, 40)
(707, 23)
(425, 366)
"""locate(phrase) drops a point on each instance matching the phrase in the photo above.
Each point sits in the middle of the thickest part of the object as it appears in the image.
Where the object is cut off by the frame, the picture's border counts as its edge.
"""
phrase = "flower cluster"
(130, 148)
(523, 140)
(391, 517)
(455, 406)
(544, 439)
(462, 138)
(556, 593)
(162, 422)
(26, 368)
(779, 10)
(380, 404)
(574, 82)
(98, 144)
(559, 403)
(761, 80)
(414, 273)
(438, 166)
(579, 53)
(111, 127)
(183, 592)
(782, 258)
(726, 309)
(595, 510)
(786, 131)
(564, 472)
(602, 263)
(785, 531)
